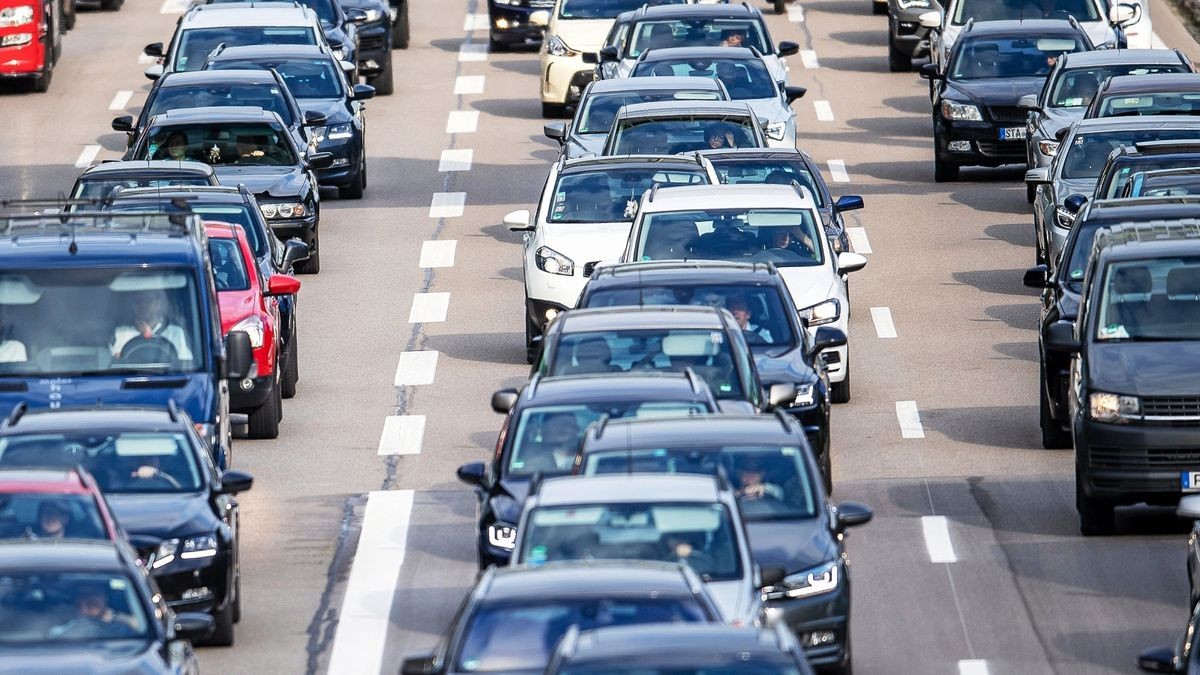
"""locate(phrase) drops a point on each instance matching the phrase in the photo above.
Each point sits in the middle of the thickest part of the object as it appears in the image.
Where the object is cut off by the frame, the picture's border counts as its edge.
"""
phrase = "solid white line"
(120, 100)
(972, 667)
(174, 6)
(824, 110)
(795, 14)
(402, 435)
(86, 156)
(447, 204)
(416, 368)
(462, 122)
(858, 239)
(476, 22)
(468, 84)
(473, 52)
(456, 160)
(882, 316)
(429, 308)
(837, 171)
(937, 539)
(910, 419)
(437, 253)
(363, 623)
(145, 59)
(808, 57)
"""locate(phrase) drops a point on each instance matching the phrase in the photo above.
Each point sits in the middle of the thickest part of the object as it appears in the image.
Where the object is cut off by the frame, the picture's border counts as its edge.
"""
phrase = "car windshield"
(701, 535)
(229, 268)
(772, 170)
(547, 438)
(1114, 181)
(221, 144)
(1087, 153)
(1168, 185)
(697, 32)
(741, 663)
(87, 321)
(771, 482)
(707, 352)
(1159, 103)
(519, 636)
(599, 110)
(758, 309)
(101, 186)
(1075, 259)
(683, 133)
(305, 78)
(121, 462)
(45, 515)
(196, 43)
(1156, 299)
(47, 607)
(1005, 10)
(786, 237)
(1076, 87)
(604, 9)
(607, 195)
(996, 57)
(263, 95)
(743, 78)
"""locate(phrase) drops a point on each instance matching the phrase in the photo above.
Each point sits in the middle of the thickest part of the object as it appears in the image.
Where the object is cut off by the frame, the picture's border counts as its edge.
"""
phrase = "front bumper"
(983, 146)
(1134, 463)
(908, 35)
(823, 616)
(192, 577)
(347, 161)
(536, 312)
(374, 47)
(564, 78)
(510, 25)
(304, 228)
(246, 399)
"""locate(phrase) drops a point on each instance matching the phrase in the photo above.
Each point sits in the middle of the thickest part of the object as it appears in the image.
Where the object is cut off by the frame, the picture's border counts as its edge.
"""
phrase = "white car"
(779, 224)
(582, 220)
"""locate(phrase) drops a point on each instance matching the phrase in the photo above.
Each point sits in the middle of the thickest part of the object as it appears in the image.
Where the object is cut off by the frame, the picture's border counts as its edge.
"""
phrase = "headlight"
(203, 546)
(816, 581)
(906, 4)
(282, 210)
(16, 16)
(549, 260)
(502, 535)
(511, 3)
(1048, 148)
(805, 395)
(1104, 407)
(556, 47)
(339, 54)
(336, 132)
(373, 15)
(1064, 217)
(252, 326)
(822, 312)
(962, 112)
(165, 554)
(775, 130)
(16, 39)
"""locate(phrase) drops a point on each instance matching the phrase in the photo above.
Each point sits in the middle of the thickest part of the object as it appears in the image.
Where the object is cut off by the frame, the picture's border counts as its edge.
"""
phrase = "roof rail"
(569, 644)
(601, 423)
(532, 386)
(16, 414)
(653, 191)
(171, 224)
(754, 50)
(722, 477)
(173, 409)
(970, 23)
(693, 379)
(562, 161)
(784, 419)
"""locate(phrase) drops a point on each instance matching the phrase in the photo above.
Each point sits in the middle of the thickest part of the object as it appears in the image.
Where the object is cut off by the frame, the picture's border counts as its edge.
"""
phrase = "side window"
(746, 372)
(1049, 84)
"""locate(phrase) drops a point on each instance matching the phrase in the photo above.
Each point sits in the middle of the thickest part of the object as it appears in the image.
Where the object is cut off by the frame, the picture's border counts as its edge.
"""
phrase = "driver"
(679, 549)
(741, 312)
(150, 469)
(150, 322)
(554, 449)
(732, 37)
(752, 485)
(174, 148)
(53, 519)
(94, 617)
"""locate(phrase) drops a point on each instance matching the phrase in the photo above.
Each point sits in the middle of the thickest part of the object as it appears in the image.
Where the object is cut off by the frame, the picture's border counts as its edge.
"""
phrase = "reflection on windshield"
(235, 214)
(101, 188)
(1163, 185)
(601, 109)
(221, 144)
(605, 9)
(1074, 262)
(305, 78)
(611, 195)
(265, 96)
(1001, 57)
(1156, 299)
(683, 134)
(1003, 10)
(744, 79)
(229, 269)
(1161, 103)
(1076, 87)
(770, 171)
(697, 33)
(1088, 153)
(786, 237)
(69, 607)
(128, 462)
(195, 44)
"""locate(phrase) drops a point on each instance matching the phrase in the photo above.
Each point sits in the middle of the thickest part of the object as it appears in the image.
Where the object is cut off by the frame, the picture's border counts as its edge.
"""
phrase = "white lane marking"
(145, 59)
(473, 52)
(795, 14)
(174, 6)
(415, 368)
(120, 100)
(910, 419)
(366, 610)
(808, 57)
(882, 317)
(462, 122)
(1156, 42)
(476, 22)
(858, 239)
(837, 171)
(937, 541)
(456, 160)
(437, 253)
(447, 204)
(402, 435)
(973, 667)
(87, 156)
(824, 110)
(468, 84)
(429, 308)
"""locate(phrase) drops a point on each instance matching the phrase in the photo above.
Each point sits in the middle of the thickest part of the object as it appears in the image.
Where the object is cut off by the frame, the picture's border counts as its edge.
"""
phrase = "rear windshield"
(1089, 152)
(605, 9)
(743, 78)
(785, 237)
(600, 110)
(267, 96)
(101, 187)
(697, 32)
(612, 195)
(1170, 185)
(1160, 103)
(195, 44)
(305, 78)
(1117, 179)
(1004, 10)
(774, 171)
(1076, 87)
(683, 134)
(235, 214)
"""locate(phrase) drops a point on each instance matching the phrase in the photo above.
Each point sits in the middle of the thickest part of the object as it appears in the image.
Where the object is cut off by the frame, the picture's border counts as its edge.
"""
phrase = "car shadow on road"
(1021, 351)
(916, 105)
(521, 66)
(856, 64)
(502, 348)
(1017, 234)
(1021, 315)
(525, 108)
(447, 45)
(1004, 282)
(1013, 427)
(869, 38)
(1006, 200)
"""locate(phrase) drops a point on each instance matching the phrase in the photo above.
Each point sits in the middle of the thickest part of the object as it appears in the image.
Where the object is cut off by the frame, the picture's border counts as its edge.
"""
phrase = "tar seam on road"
(319, 640)
(962, 620)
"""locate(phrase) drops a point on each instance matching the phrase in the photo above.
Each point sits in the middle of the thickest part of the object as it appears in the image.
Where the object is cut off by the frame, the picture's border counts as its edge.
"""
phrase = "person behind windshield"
(732, 37)
(1081, 91)
(175, 147)
(11, 351)
(53, 519)
(741, 312)
(751, 482)
(718, 136)
(680, 549)
(555, 446)
(149, 474)
(94, 618)
(150, 322)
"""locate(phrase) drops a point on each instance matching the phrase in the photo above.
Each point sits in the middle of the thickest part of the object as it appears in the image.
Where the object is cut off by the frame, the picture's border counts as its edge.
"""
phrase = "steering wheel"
(145, 350)
(158, 475)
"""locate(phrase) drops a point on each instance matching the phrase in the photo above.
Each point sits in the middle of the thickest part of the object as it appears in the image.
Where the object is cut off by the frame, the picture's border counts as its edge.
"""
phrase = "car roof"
(635, 643)
(1160, 82)
(149, 165)
(217, 115)
(598, 388)
(753, 153)
(99, 418)
(1112, 57)
(1022, 28)
(682, 272)
(39, 243)
(684, 109)
(625, 84)
(1142, 208)
(189, 77)
(743, 195)
(256, 14)
(241, 52)
(608, 162)
(72, 555)
(718, 11)
(1138, 240)
(632, 318)
(694, 430)
(597, 578)
(1148, 122)
(222, 194)
(628, 488)
(35, 480)
(702, 52)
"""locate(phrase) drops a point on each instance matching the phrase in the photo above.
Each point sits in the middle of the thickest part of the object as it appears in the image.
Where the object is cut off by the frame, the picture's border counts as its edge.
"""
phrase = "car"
(670, 127)
(248, 303)
(30, 42)
(782, 166)
(251, 147)
(757, 223)
(179, 511)
(745, 76)
(99, 180)
(759, 300)
(1150, 155)
(1133, 385)
(543, 424)
(582, 219)
(1162, 183)
(378, 35)
(666, 338)
(54, 504)
(512, 617)
(1063, 188)
(908, 39)
(509, 25)
(666, 649)
(976, 117)
(1071, 86)
(1136, 94)
(783, 498)
(670, 518)
(315, 79)
(585, 134)
(94, 609)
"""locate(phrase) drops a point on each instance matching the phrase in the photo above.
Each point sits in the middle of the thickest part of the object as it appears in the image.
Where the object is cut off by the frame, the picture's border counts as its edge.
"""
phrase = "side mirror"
(771, 575)
(853, 514)
(193, 626)
(335, 44)
(555, 131)
(153, 72)
(850, 262)
(503, 400)
(1124, 14)
(540, 18)
(1061, 134)
(348, 68)
(1029, 102)
(788, 48)
(1040, 175)
(1189, 507)
(1037, 277)
(282, 284)
(154, 49)
(312, 118)
(827, 337)
(294, 251)
(590, 58)
(609, 53)
(929, 71)
(1074, 203)
(320, 160)
(238, 354)
(518, 221)
(780, 394)
(792, 93)
(848, 203)
(362, 92)
(419, 665)
(123, 123)
(1060, 337)
(233, 482)
(471, 473)
(356, 16)
(1159, 660)
(930, 20)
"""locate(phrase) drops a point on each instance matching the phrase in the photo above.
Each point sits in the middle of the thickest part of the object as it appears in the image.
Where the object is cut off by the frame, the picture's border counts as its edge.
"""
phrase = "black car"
(1164, 94)
(508, 23)
(976, 118)
(1125, 161)
(790, 521)
(543, 425)
(668, 649)
(1182, 658)
(89, 607)
(251, 147)
(1135, 393)
(316, 81)
(783, 353)
(907, 38)
(512, 617)
(98, 181)
(179, 510)
(1061, 290)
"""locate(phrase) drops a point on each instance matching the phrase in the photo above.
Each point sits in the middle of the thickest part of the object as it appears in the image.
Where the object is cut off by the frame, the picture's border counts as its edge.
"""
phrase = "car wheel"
(111, 5)
(222, 635)
(780, 6)
(237, 594)
(1053, 435)
(383, 82)
(400, 32)
(1096, 517)
(878, 7)
(291, 371)
(839, 392)
(943, 171)
(69, 15)
(553, 110)
(312, 265)
(41, 83)
(1030, 193)
(355, 189)
(495, 45)
(898, 60)
(264, 422)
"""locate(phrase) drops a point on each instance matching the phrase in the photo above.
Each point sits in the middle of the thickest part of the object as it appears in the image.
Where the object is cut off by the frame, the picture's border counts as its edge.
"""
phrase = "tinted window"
(1117, 178)
(600, 110)
(786, 237)
(697, 32)
(42, 515)
(1075, 260)
(229, 268)
(683, 134)
(1170, 185)
(195, 44)
(1161, 103)
(98, 187)
(611, 195)
(1004, 57)
(221, 144)
(38, 608)
(743, 78)
(1076, 87)
(123, 462)
(267, 96)
(305, 78)
(1002, 10)
(1157, 299)
(773, 171)
(1088, 152)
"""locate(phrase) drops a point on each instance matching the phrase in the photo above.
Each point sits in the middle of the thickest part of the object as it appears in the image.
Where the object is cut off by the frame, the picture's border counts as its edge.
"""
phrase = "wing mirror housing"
(609, 54)
(233, 482)
(1037, 277)
(348, 68)
(853, 514)
(556, 131)
(282, 284)
(503, 400)
(791, 94)
(1075, 203)
(320, 160)
(294, 251)
(312, 118)
(1038, 176)
(590, 58)
(1124, 14)
(239, 354)
(518, 221)
(153, 72)
(788, 48)
(771, 575)
(471, 473)
(929, 71)
(1061, 134)
(540, 18)
(1029, 102)
(425, 664)
(1189, 507)
(780, 394)
(1060, 337)
(849, 261)
(123, 123)
(193, 626)
(848, 203)
(362, 92)
(930, 20)
(827, 337)
(1159, 660)
(154, 49)
(356, 16)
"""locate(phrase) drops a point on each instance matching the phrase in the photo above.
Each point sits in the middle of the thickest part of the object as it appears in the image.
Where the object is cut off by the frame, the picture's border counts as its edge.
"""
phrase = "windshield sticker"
(537, 555)
(1113, 331)
(715, 337)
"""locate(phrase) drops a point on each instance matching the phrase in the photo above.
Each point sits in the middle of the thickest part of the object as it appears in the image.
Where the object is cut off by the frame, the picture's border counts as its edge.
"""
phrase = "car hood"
(1003, 91)
(1145, 368)
(149, 518)
(334, 109)
(1065, 187)
(101, 658)
(772, 109)
(271, 181)
(1054, 119)
(734, 600)
(794, 545)
(808, 285)
(791, 366)
(583, 144)
(582, 35)
(587, 242)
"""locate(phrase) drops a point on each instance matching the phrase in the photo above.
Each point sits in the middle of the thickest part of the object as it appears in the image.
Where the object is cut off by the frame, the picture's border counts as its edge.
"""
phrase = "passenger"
(150, 321)
(12, 351)
(718, 136)
(174, 148)
(95, 618)
(733, 37)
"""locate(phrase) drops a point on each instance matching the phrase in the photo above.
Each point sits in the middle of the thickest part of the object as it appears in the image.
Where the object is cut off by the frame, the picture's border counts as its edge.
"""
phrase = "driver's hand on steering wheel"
(756, 491)
(145, 472)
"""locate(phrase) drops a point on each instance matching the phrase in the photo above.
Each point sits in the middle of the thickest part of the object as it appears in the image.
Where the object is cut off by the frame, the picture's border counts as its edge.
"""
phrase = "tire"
(383, 82)
(313, 264)
(111, 5)
(291, 371)
(1030, 193)
(553, 110)
(780, 6)
(222, 635)
(264, 422)
(898, 60)
(237, 593)
(878, 8)
(1096, 517)
(41, 83)
(68, 16)
(355, 189)
(400, 29)
(1053, 435)
(495, 46)
(944, 172)
(839, 392)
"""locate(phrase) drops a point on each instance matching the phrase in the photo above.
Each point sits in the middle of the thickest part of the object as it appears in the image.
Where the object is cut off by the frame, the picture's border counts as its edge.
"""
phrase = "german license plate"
(1190, 481)
(1012, 133)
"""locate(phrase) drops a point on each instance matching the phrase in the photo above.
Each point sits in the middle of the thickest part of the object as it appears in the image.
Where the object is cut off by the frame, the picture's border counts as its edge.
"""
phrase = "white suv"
(779, 224)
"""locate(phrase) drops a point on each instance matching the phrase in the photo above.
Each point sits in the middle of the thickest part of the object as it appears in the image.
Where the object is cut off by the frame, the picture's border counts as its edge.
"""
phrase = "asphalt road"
(973, 563)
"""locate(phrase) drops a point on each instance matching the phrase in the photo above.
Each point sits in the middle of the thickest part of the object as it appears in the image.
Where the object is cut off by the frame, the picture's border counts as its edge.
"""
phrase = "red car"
(53, 504)
(30, 40)
(248, 303)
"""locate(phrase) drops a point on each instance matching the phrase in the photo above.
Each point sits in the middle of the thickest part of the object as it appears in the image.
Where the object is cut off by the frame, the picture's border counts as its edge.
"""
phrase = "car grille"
(541, 3)
(371, 43)
(1171, 406)
(1008, 113)
(1014, 150)
(1142, 459)
(588, 268)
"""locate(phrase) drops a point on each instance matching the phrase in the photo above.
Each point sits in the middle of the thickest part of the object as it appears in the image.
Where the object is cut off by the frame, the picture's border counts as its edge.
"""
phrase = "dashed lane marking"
(837, 169)
(473, 52)
(462, 122)
(429, 308)
(120, 100)
(438, 253)
(824, 110)
(882, 317)
(858, 239)
(174, 6)
(795, 14)
(416, 368)
(972, 667)
(447, 204)
(476, 22)
(402, 435)
(808, 57)
(87, 156)
(937, 541)
(910, 419)
(468, 84)
(456, 160)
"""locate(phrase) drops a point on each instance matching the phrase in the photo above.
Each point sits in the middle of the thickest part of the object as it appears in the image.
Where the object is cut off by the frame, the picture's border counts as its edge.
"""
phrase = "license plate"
(1190, 481)
(1012, 133)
